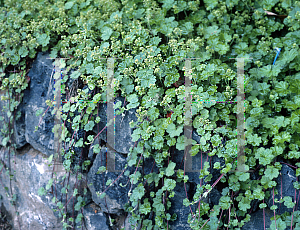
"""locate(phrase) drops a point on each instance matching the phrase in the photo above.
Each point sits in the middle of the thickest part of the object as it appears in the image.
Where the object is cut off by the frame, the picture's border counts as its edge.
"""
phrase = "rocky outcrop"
(31, 173)
(116, 195)
(40, 89)
(36, 212)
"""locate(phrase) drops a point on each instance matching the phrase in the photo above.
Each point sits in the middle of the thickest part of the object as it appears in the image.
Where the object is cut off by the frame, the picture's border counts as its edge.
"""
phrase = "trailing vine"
(151, 40)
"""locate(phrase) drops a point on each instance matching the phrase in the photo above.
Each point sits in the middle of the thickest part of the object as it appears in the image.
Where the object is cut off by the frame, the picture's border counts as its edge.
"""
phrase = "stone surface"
(35, 211)
(20, 128)
(286, 184)
(180, 192)
(257, 220)
(177, 206)
(19, 124)
(122, 128)
(94, 219)
(122, 136)
(116, 196)
(40, 89)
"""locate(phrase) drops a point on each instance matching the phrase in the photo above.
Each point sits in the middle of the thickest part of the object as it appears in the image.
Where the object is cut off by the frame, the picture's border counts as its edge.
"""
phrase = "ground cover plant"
(151, 38)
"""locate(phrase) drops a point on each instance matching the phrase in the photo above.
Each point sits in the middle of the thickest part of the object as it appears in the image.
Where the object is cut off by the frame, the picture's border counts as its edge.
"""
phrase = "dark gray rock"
(122, 128)
(19, 122)
(34, 98)
(214, 197)
(122, 132)
(177, 206)
(194, 181)
(20, 128)
(116, 196)
(40, 89)
(94, 219)
(257, 220)
(288, 178)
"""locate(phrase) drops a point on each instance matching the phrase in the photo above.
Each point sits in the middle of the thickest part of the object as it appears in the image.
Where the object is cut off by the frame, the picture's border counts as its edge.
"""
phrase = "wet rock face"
(33, 149)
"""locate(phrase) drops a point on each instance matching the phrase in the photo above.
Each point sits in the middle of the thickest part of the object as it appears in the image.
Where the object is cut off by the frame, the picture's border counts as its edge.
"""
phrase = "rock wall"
(32, 171)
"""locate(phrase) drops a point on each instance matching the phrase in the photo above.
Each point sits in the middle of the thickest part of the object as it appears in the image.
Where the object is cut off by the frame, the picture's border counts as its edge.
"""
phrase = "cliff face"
(30, 163)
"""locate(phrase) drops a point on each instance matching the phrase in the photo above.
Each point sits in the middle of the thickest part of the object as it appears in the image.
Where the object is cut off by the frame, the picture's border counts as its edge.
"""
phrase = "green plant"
(153, 37)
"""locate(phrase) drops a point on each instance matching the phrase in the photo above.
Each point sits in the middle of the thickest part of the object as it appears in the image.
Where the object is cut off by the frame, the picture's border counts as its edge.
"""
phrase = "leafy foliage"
(152, 37)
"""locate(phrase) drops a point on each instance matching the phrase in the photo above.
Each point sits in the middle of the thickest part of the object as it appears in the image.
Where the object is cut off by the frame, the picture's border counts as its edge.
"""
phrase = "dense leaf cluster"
(151, 40)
